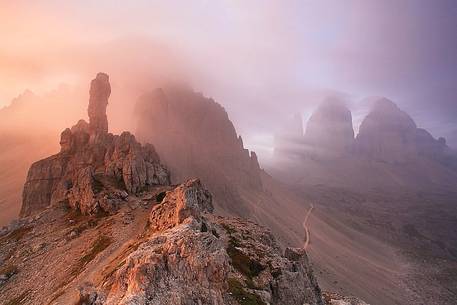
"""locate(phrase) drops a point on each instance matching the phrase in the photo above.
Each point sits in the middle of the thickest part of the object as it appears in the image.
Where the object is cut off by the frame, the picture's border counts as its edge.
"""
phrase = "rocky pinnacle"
(100, 91)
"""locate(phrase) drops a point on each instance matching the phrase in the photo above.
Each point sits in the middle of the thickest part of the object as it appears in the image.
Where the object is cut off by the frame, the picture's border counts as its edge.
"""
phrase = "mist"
(320, 134)
(263, 61)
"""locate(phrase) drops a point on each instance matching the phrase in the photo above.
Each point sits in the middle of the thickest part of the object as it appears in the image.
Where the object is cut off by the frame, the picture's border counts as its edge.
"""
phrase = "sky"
(263, 61)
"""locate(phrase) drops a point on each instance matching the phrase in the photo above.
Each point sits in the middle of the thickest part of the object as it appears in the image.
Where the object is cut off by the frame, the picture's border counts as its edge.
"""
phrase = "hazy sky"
(262, 60)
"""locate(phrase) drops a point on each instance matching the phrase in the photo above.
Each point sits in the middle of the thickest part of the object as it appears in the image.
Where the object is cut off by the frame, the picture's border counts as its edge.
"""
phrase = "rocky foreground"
(164, 247)
(161, 248)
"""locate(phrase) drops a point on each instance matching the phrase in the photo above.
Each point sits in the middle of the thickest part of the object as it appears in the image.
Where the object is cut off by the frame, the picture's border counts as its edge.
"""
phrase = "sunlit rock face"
(100, 91)
(195, 138)
(90, 161)
(329, 131)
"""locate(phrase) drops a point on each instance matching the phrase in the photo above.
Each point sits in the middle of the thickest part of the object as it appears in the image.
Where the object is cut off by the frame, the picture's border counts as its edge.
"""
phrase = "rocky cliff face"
(195, 138)
(90, 161)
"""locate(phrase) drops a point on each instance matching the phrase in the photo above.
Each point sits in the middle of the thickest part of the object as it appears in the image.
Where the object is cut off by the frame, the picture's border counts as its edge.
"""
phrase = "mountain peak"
(330, 126)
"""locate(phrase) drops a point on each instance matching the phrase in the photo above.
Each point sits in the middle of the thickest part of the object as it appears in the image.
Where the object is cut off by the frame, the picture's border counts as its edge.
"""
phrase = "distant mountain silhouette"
(389, 150)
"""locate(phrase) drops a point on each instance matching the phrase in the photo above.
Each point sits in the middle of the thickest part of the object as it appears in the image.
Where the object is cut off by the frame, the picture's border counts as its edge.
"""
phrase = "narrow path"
(305, 226)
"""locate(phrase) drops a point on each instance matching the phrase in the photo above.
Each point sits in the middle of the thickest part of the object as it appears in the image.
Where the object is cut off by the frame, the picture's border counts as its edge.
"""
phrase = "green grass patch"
(242, 262)
(242, 296)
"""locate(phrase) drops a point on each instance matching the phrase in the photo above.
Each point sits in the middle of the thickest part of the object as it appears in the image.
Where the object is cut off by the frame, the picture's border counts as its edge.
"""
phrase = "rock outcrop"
(195, 138)
(187, 200)
(192, 257)
(94, 170)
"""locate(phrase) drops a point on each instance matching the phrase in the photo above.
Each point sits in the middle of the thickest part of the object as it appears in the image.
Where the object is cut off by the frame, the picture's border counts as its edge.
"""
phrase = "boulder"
(187, 200)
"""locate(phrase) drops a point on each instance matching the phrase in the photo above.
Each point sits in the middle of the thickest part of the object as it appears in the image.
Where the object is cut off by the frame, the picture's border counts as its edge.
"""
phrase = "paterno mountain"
(196, 139)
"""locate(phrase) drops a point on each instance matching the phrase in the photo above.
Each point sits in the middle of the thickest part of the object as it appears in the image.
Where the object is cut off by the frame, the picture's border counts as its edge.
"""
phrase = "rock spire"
(100, 91)
(94, 171)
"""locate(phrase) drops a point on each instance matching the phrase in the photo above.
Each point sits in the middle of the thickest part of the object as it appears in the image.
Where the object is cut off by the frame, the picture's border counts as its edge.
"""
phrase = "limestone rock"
(176, 253)
(192, 257)
(195, 138)
(91, 163)
(100, 91)
(187, 200)
(41, 184)
(89, 296)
